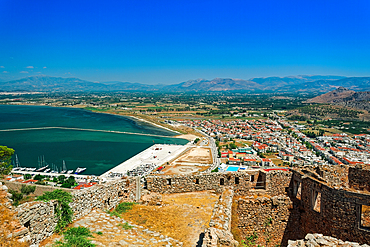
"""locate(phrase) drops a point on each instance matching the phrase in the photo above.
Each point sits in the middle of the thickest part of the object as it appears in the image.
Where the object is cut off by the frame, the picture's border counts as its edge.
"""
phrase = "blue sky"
(174, 41)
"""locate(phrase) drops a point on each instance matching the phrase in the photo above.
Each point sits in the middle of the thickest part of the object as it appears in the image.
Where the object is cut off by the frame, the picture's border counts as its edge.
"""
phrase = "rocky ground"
(109, 231)
(174, 220)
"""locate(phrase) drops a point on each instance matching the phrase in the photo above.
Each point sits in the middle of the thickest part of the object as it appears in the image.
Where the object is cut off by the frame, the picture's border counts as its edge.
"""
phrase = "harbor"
(139, 165)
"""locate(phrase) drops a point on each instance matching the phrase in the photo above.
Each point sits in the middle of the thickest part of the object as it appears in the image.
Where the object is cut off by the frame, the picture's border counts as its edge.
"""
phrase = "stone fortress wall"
(243, 183)
(335, 212)
(38, 218)
(277, 205)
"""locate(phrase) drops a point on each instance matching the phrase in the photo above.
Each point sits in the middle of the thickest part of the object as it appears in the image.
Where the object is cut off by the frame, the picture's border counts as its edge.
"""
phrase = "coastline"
(179, 135)
(146, 121)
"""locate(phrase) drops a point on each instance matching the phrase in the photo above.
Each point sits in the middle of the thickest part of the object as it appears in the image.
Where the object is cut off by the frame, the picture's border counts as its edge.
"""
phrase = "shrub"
(27, 189)
(38, 177)
(16, 197)
(63, 210)
(76, 237)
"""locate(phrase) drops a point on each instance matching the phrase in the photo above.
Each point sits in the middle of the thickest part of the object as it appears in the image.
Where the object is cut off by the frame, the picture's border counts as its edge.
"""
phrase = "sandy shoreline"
(146, 121)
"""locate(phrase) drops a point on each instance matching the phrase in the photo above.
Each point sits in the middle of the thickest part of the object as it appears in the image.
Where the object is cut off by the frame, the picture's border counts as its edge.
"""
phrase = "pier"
(154, 156)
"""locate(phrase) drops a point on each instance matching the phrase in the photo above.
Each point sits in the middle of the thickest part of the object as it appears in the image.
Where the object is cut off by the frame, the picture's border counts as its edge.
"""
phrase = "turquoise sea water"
(97, 151)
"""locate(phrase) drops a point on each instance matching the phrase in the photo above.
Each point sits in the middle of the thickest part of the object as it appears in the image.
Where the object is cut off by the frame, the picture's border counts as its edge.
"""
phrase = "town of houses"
(286, 141)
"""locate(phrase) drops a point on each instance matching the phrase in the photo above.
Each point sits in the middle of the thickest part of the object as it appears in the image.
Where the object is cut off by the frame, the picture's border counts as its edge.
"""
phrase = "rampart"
(39, 219)
(243, 183)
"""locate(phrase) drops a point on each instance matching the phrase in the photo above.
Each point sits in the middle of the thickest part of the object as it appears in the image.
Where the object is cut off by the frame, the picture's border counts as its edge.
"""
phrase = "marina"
(139, 165)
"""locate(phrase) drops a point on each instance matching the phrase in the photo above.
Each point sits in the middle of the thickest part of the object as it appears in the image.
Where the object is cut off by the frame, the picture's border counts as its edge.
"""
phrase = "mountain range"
(316, 83)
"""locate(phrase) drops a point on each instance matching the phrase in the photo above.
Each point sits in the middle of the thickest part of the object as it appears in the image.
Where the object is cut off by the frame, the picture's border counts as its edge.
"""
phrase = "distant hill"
(217, 84)
(44, 83)
(334, 96)
(345, 97)
(304, 83)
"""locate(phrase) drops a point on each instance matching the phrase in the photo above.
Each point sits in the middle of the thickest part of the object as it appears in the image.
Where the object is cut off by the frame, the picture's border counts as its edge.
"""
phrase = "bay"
(97, 151)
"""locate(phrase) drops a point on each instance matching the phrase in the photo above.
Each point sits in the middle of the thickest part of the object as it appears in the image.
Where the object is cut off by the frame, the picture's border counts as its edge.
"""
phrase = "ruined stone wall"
(38, 221)
(359, 177)
(277, 182)
(263, 216)
(330, 211)
(219, 234)
(105, 196)
(333, 175)
(243, 183)
(38, 218)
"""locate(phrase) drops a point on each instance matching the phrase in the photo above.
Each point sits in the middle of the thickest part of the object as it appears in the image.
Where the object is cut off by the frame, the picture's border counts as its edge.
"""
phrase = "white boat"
(69, 171)
(42, 165)
(47, 170)
(64, 168)
(79, 170)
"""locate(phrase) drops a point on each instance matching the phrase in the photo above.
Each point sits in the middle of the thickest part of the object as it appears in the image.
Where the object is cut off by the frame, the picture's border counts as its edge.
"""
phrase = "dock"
(154, 156)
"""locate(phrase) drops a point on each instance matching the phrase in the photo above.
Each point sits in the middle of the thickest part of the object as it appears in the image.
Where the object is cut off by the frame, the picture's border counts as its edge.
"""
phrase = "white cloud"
(24, 72)
(2, 67)
(29, 67)
(5, 72)
(44, 67)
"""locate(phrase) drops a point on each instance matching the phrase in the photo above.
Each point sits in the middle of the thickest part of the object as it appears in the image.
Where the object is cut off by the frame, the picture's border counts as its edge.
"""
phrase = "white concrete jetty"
(155, 156)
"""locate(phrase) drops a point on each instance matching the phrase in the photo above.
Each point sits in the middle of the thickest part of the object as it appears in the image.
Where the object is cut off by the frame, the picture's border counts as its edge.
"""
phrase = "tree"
(27, 176)
(61, 178)
(70, 182)
(38, 177)
(5, 159)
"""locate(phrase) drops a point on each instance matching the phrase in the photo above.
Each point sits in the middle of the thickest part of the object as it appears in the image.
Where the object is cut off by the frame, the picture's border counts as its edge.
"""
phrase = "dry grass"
(8, 224)
(183, 216)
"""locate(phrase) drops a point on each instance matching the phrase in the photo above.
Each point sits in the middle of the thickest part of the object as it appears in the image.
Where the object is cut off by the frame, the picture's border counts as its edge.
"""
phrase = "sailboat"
(64, 168)
(16, 164)
(42, 165)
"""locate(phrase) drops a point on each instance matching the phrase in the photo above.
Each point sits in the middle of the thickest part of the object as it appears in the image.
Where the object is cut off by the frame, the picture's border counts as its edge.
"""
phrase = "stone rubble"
(313, 240)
